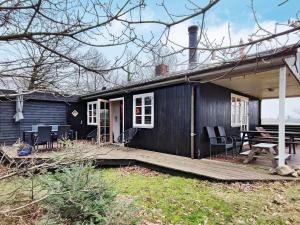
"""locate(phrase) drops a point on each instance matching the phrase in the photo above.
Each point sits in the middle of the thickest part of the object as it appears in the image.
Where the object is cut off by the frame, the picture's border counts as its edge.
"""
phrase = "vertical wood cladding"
(34, 112)
(213, 108)
(171, 132)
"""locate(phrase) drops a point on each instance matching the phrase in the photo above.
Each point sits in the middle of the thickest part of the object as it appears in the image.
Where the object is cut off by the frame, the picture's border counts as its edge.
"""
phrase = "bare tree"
(38, 69)
(88, 81)
(93, 24)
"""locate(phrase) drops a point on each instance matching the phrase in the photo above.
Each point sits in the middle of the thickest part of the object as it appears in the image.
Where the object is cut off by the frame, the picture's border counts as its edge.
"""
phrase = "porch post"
(281, 128)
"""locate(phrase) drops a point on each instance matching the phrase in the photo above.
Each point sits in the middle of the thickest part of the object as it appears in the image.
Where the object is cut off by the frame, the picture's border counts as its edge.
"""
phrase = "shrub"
(78, 196)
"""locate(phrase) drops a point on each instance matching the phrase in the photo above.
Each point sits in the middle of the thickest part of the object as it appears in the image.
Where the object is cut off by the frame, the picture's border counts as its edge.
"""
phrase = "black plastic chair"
(126, 136)
(43, 137)
(63, 133)
(237, 140)
(219, 143)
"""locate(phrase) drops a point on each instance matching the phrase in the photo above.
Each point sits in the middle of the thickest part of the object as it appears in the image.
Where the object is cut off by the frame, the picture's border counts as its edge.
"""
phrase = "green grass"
(179, 200)
(166, 199)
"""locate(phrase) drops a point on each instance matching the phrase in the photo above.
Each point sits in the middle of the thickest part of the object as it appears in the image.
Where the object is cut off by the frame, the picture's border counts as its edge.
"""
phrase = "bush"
(78, 196)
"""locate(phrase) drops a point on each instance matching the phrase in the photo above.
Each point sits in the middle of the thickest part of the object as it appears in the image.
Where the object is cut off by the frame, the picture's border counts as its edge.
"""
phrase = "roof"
(263, 60)
(41, 96)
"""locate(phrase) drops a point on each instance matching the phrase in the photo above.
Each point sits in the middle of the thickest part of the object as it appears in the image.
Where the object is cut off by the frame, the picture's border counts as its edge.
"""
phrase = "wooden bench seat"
(246, 153)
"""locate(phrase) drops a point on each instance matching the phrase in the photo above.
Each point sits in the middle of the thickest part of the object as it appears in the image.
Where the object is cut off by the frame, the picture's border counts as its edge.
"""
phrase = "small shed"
(38, 108)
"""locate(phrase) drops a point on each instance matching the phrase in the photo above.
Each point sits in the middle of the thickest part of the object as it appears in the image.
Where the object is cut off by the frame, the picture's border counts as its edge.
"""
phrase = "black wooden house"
(172, 109)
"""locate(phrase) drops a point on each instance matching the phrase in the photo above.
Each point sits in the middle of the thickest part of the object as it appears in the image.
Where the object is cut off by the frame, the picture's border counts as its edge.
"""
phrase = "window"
(143, 110)
(239, 111)
(92, 113)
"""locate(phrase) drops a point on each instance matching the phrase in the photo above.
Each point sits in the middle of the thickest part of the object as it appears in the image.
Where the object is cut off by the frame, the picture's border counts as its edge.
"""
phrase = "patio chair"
(43, 137)
(237, 140)
(35, 126)
(127, 136)
(62, 133)
(219, 143)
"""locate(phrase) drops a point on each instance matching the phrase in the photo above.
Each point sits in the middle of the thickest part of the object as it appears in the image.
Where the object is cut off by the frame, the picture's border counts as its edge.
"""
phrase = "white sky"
(270, 108)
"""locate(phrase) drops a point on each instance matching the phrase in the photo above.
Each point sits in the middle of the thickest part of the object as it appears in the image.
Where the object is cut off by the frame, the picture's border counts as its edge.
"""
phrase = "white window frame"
(143, 125)
(238, 122)
(87, 113)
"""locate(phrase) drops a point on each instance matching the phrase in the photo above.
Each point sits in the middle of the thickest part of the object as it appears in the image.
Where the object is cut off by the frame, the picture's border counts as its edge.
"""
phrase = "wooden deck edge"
(135, 161)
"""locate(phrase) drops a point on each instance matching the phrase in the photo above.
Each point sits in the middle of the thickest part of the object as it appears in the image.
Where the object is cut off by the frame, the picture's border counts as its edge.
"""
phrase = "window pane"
(90, 106)
(147, 100)
(138, 120)
(94, 119)
(147, 119)
(138, 101)
(95, 106)
(238, 110)
(148, 110)
(138, 110)
(233, 110)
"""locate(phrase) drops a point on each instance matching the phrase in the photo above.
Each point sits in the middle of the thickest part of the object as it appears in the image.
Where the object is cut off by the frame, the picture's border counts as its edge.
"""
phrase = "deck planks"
(212, 169)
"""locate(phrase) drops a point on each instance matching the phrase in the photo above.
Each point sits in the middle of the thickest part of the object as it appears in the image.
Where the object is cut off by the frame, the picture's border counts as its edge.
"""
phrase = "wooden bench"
(274, 140)
(246, 153)
(263, 150)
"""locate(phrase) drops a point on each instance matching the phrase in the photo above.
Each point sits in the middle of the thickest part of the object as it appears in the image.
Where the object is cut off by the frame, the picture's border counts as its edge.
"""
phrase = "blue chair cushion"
(24, 152)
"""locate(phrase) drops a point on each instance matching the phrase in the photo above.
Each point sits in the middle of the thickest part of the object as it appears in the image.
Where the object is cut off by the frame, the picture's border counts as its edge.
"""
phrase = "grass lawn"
(168, 199)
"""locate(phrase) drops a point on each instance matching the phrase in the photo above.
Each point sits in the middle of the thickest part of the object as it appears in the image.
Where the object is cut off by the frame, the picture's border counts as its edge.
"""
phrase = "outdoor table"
(289, 134)
(35, 132)
(262, 150)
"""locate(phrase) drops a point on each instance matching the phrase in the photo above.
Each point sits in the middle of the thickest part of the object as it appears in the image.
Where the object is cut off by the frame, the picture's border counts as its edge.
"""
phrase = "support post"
(193, 122)
(281, 128)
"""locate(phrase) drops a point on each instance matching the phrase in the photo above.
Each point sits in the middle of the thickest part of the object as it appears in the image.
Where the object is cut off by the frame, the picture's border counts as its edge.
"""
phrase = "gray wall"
(35, 112)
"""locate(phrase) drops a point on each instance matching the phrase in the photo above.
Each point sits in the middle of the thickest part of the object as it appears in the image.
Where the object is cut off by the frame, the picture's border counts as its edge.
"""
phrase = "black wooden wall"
(79, 122)
(171, 121)
(35, 112)
(213, 108)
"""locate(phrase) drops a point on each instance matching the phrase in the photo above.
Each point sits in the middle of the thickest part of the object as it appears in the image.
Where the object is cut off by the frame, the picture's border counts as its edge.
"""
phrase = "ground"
(174, 199)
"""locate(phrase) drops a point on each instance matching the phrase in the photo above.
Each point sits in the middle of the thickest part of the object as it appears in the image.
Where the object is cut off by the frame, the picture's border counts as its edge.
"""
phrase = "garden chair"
(219, 143)
(62, 133)
(237, 140)
(126, 136)
(43, 137)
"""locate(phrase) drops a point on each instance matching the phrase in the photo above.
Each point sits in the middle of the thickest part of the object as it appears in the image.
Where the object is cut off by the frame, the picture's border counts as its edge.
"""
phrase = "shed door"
(103, 121)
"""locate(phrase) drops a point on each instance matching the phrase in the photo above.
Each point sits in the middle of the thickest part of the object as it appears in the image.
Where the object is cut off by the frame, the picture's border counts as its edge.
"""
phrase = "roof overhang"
(265, 84)
(225, 75)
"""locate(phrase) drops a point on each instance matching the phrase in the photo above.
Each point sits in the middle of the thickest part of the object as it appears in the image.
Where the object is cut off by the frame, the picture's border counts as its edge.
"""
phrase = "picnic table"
(254, 136)
(264, 150)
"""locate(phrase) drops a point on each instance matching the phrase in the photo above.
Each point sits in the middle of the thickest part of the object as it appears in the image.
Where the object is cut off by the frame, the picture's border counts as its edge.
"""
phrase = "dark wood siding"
(35, 112)
(171, 132)
(213, 108)
(9, 130)
(79, 123)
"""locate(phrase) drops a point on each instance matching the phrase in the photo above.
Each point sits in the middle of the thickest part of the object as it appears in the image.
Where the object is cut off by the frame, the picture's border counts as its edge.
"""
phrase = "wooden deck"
(114, 155)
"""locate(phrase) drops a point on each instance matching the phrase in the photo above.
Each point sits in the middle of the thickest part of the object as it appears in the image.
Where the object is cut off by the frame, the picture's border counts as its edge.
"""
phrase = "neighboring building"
(38, 108)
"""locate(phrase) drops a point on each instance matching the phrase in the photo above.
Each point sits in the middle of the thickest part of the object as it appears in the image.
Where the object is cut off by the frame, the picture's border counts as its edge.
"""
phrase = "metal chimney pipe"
(193, 33)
